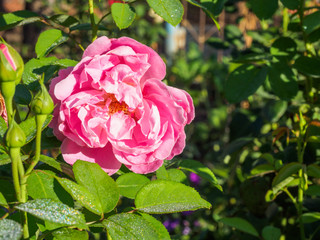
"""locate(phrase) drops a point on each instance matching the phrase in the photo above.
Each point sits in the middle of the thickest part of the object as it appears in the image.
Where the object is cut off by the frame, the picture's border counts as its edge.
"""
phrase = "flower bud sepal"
(15, 136)
(42, 104)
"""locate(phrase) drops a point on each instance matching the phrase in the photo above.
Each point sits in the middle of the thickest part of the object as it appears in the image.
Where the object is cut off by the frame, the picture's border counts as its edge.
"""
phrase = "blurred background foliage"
(244, 131)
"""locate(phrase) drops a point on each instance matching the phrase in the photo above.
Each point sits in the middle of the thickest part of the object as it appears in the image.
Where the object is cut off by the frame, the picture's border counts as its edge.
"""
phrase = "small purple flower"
(194, 178)
(187, 213)
(186, 231)
(170, 225)
(196, 224)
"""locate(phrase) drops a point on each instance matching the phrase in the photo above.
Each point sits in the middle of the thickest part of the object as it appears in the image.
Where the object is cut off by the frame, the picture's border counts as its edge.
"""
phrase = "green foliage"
(53, 211)
(95, 180)
(244, 81)
(130, 183)
(122, 14)
(131, 226)
(10, 229)
(170, 10)
(240, 224)
(48, 40)
(256, 132)
(170, 197)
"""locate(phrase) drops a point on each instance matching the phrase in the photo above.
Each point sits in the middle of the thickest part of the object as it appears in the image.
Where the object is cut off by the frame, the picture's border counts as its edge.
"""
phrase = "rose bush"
(112, 108)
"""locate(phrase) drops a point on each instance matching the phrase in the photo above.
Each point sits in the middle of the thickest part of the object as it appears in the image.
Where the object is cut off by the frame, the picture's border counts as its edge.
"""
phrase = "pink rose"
(113, 109)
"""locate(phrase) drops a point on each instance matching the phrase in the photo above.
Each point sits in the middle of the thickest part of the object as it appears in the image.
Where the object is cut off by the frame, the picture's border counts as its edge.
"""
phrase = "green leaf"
(82, 195)
(7, 190)
(264, 9)
(10, 20)
(274, 110)
(201, 170)
(311, 22)
(127, 226)
(4, 159)
(3, 201)
(271, 233)
(240, 224)
(40, 184)
(310, 217)
(308, 66)
(122, 14)
(10, 229)
(22, 95)
(57, 212)
(87, 27)
(313, 170)
(64, 20)
(30, 129)
(214, 6)
(291, 4)
(162, 196)
(218, 43)
(130, 183)
(48, 40)
(243, 82)
(170, 10)
(284, 48)
(263, 168)
(36, 67)
(98, 182)
(283, 81)
(209, 8)
(177, 175)
(65, 63)
(313, 190)
(70, 234)
(61, 166)
(253, 58)
(284, 176)
(157, 226)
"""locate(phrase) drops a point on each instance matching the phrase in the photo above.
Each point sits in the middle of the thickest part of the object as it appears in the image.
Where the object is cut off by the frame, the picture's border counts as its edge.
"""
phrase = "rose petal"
(157, 66)
(72, 152)
(99, 46)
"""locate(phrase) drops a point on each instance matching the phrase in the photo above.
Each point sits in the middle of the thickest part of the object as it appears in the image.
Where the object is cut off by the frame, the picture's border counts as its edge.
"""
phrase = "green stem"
(291, 197)
(104, 16)
(23, 199)
(301, 149)
(285, 21)
(15, 157)
(300, 206)
(93, 24)
(40, 119)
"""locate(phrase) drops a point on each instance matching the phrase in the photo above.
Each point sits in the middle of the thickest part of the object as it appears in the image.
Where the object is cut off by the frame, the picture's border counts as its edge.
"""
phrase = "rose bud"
(42, 103)
(15, 137)
(11, 69)
(11, 63)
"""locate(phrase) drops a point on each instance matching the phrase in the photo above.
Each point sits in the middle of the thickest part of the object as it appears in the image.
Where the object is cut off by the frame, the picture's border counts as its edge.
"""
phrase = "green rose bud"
(15, 137)
(11, 69)
(11, 63)
(42, 103)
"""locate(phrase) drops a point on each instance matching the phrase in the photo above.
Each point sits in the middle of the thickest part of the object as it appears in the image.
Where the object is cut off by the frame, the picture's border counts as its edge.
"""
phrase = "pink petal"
(157, 66)
(145, 168)
(72, 152)
(183, 99)
(98, 47)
